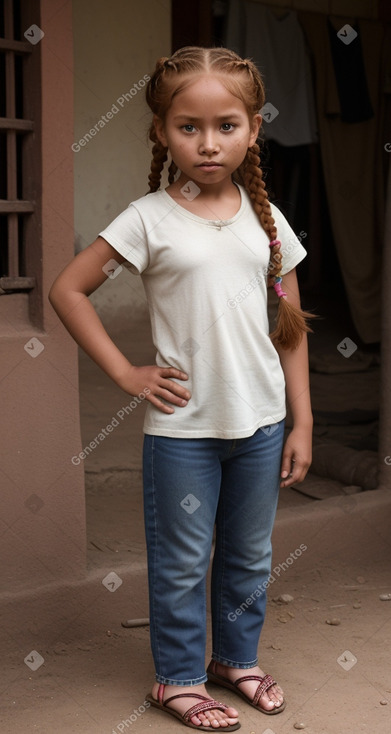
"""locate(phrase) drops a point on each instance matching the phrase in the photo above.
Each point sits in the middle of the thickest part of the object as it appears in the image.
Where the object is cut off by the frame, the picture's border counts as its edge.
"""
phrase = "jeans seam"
(222, 575)
(154, 563)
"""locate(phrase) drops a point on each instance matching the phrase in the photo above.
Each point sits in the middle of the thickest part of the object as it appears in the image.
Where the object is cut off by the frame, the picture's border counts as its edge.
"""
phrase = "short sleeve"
(127, 235)
(292, 250)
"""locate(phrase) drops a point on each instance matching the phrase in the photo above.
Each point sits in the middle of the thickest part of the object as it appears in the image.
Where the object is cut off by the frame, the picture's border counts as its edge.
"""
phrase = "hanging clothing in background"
(350, 76)
(352, 163)
(278, 48)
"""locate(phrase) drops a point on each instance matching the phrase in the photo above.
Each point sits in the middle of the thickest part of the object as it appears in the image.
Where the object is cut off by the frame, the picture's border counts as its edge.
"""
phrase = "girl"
(206, 248)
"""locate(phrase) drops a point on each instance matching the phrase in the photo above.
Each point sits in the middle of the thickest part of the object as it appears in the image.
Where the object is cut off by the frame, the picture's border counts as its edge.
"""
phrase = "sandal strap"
(264, 684)
(267, 683)
(160, 693)
(184, 695)
(253, 677)
(206, 705)
(247, 677)
(199, 708)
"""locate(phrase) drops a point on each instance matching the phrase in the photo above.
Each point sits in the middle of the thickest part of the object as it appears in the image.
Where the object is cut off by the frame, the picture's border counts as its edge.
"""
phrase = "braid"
(159, 157)
(172, 169)
(251, 175)
(291, 321)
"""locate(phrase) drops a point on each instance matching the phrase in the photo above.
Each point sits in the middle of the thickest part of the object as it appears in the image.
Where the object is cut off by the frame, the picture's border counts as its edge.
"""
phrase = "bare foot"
(273, 698)
(214, 718)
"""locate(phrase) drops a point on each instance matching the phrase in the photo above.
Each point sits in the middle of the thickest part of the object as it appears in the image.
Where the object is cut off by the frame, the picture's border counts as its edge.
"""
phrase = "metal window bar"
(12, 207)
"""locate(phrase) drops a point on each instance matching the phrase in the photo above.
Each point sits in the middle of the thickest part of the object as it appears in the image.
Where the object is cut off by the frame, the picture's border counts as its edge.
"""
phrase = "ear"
(254, 129)
(160, 132)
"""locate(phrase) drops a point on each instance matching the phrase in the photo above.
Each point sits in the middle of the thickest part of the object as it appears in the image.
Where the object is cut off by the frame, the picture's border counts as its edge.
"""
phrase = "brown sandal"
(206, 705)
(264, 684)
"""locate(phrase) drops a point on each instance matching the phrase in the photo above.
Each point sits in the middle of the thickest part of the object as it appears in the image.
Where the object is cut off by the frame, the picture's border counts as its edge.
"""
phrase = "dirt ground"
(69, 665)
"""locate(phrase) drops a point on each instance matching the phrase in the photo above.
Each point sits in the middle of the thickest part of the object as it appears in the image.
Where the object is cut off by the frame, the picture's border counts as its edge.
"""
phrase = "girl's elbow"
(52, 293)
(56, 293)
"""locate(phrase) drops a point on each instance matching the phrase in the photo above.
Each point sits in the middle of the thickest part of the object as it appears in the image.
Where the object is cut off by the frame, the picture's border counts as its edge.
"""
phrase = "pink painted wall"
(42, 515)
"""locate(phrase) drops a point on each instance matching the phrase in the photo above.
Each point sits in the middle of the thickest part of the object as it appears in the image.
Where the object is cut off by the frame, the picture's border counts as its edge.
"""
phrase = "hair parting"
(242, 78)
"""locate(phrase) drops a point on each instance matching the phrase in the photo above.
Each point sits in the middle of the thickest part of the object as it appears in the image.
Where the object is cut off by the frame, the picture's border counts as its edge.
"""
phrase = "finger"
(287, 463)
(292, 478)
(175, 389)
(297, 473)
(158, 403)
(173, 372)
(171, 396)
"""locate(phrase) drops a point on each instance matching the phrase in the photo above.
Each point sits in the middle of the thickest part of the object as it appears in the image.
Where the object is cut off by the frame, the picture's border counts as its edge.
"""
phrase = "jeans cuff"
(234, 663)
(187, 682)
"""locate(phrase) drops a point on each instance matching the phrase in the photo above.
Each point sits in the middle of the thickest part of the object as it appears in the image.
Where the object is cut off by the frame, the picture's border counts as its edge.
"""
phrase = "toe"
(231, 713)
(218, 723)
(266, 703)
(200, 720)
(271, 699)
(197, 721)
(216, 719)
(276, 694)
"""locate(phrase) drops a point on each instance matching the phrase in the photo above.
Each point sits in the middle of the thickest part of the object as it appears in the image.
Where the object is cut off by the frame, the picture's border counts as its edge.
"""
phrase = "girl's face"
(207, 131)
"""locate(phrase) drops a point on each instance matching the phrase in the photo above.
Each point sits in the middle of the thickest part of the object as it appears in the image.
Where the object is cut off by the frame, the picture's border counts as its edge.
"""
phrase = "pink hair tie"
(275, 243)
(278, 289)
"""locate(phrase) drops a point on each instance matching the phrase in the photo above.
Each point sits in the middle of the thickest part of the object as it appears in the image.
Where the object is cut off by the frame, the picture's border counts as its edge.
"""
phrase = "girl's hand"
(157, 380)
(69, 297)
(296, 456)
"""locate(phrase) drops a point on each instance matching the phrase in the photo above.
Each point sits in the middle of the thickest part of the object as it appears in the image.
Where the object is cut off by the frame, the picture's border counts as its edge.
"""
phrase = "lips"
(209, 166)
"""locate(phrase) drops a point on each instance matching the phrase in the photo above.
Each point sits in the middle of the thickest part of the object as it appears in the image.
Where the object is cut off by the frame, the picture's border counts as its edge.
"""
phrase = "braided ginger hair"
(243, 80)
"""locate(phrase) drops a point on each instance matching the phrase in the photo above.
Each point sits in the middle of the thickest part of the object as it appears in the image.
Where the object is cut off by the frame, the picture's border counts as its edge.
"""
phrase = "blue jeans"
(189, 486)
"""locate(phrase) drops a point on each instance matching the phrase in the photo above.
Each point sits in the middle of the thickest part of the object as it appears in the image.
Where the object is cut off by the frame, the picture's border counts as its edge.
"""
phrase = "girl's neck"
(215, 202)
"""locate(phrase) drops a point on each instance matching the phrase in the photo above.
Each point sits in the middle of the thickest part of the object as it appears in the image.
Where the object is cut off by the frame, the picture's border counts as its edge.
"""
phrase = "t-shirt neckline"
(208, 222)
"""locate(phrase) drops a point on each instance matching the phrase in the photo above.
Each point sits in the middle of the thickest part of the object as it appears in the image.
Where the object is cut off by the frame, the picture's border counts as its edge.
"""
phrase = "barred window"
(20, 159)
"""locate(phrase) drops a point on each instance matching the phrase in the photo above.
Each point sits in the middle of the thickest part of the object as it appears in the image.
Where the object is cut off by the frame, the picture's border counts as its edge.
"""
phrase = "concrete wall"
(42, 517)
(103, 49)
(115, 45)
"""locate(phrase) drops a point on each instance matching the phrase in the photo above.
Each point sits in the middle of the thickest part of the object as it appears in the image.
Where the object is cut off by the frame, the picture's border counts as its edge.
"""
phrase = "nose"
(209, 144)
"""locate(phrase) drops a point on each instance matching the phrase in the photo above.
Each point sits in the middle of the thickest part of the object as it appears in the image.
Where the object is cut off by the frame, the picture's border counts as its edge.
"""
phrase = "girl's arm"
(69, 298)
(297, 453)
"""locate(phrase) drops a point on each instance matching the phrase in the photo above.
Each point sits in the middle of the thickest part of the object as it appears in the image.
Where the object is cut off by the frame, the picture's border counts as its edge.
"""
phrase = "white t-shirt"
(205, 283)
